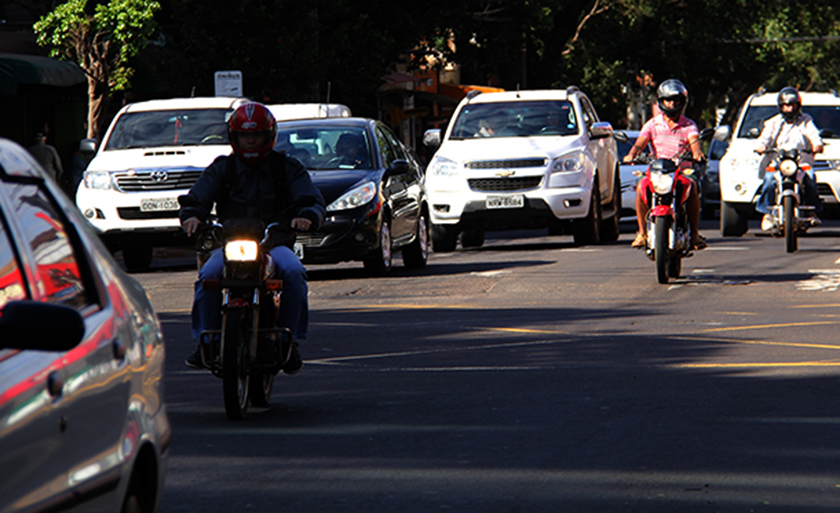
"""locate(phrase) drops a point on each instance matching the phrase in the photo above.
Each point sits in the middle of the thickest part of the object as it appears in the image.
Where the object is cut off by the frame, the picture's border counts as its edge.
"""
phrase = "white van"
(740, 170)
(152, 152)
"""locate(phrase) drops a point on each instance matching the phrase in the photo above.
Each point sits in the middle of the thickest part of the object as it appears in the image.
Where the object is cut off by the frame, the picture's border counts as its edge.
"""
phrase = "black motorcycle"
(788, 212)
(249, 350)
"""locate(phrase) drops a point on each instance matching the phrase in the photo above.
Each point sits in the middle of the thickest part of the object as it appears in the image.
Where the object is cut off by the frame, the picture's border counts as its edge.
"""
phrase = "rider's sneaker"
(768, 223)
(815, 221)
(295, 363)
(194, 360)
(698, 243)
(640, 241)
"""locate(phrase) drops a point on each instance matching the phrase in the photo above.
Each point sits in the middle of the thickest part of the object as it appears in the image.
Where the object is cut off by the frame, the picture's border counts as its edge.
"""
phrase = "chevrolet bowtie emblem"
(505, 174)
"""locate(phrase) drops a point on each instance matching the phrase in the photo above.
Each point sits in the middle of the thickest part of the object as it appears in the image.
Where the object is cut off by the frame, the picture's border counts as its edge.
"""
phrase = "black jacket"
(272, 191)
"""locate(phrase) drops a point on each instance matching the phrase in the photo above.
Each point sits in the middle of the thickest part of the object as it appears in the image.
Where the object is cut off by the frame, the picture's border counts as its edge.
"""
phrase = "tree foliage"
(101, 38)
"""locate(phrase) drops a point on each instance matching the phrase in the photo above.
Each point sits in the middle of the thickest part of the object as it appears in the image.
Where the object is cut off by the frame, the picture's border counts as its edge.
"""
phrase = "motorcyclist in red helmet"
(670, 134)
(254, 182)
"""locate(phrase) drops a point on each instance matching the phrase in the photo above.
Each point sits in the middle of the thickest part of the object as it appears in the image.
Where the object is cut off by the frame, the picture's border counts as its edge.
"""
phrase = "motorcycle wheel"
(259, 393)
(660, 250)
(235, 379)
(790, 228)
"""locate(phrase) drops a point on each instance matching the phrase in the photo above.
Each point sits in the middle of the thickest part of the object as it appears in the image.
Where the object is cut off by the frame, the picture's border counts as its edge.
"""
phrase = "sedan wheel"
(416, 254)
(378, 263)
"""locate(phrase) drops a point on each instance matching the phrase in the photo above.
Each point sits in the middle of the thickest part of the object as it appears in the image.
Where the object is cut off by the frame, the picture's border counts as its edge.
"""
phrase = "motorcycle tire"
(235, 379)
(259, 391)
(790, 221)
(661, 252)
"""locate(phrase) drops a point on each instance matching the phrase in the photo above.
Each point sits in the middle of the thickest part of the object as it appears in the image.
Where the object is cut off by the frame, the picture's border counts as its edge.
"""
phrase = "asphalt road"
(532, 376)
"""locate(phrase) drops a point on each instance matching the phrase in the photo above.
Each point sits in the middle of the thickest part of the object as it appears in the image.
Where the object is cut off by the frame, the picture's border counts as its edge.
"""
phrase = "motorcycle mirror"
(826, 133)
(723, 133)
(621, 137)
(186, 200)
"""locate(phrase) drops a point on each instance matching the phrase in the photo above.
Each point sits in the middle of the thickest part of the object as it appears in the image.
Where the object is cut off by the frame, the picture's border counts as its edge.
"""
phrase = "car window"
(717, 149)
(58, 275)
(515, 119)
(12, 286)
(395, 144)
(826, 118)
(326, 148)
(589, 116)
(169, 128)
(386, 152)
(754, 120)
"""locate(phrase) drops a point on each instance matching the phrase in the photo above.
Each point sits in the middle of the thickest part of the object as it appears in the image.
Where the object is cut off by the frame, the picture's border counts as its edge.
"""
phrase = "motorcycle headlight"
(98, 180)
(567, 163)
(353, 198)
(442, 166)
(241, 250)
(788, 167)
(661, 182)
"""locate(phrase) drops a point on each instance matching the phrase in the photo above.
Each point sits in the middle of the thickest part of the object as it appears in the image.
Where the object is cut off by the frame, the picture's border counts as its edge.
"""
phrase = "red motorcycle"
(668, 231)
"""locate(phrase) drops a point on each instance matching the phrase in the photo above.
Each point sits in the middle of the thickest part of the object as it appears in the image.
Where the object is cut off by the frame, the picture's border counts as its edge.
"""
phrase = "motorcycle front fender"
(662, 210)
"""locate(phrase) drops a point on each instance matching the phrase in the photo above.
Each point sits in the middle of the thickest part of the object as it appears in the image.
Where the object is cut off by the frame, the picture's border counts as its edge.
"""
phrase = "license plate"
(159, 204)
(298, 249)
(515, 201)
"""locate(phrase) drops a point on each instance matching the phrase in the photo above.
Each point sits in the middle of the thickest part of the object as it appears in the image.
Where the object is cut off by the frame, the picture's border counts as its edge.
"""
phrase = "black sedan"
(373, 186)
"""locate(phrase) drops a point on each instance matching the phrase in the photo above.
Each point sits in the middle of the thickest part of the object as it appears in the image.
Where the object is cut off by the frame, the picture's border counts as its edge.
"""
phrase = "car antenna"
(192, 93)
(517, 91)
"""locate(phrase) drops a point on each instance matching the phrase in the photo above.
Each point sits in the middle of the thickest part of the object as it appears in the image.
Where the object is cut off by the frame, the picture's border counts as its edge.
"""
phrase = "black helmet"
(789, 96)
(672, 89)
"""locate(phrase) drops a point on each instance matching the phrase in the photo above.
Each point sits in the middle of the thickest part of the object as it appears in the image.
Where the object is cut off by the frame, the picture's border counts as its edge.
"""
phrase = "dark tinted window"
(826, 118)
(385, 150)
(325, 147)
(169, 128)
(513, 119)
(58, 274)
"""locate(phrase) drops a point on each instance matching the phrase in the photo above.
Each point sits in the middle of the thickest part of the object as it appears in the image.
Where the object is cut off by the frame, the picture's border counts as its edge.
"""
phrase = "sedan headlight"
(355, 197)
(98, 180)
(241, 250)
(568, 163)
(442, 166)
(661, 182)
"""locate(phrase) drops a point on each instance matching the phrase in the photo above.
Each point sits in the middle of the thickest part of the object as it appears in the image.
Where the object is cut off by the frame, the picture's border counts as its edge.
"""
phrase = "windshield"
(169, 128)
(825, 117)
(326, 148)
(515, 119)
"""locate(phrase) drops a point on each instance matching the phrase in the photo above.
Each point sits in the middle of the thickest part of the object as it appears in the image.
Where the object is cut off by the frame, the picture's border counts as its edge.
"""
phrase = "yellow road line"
(770, 326)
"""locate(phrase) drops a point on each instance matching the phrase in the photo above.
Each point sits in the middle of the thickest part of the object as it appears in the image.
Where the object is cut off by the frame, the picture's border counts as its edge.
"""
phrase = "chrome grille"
(506, 164)
(157, 179)
(522, 183)
(311, 240)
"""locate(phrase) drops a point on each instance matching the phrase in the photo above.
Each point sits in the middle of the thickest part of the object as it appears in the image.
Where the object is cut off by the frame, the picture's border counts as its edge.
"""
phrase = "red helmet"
(252, 118)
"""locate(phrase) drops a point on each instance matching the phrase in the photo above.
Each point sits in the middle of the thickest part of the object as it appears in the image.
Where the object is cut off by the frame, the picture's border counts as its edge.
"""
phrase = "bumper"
(539, 208)
(341, 238)
(112, 212)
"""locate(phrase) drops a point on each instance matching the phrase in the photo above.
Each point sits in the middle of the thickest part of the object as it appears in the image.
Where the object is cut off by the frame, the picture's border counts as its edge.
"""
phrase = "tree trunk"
(97, 106)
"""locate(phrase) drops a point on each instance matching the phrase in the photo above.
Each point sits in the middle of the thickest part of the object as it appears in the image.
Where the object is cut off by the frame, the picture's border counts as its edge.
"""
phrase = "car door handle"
(119, 349)
(55, 384)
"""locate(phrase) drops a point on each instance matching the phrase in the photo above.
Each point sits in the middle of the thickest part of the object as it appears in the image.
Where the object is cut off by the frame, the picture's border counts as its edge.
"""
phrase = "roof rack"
(572, 89)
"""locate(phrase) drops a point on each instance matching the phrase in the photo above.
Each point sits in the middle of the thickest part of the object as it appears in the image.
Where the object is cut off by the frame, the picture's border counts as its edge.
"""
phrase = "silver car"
(83, 426)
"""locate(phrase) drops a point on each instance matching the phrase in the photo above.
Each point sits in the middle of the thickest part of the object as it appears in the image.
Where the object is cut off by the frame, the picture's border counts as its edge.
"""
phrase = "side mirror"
(600, 130)
(397, 167)
(723, 133)
(432, 138)
(753, 133)
(23, 326)
(826, 133)
(87, 145)
(706, 134)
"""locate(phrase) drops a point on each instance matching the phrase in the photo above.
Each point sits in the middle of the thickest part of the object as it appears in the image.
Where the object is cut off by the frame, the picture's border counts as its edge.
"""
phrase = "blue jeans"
(767, 199)
(294, 306)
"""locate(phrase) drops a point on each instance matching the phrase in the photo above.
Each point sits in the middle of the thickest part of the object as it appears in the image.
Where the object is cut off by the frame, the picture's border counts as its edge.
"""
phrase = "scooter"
(788, 212)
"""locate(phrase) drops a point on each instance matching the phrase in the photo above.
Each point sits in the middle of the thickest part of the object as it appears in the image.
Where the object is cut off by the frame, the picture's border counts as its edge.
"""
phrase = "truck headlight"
(568, 163)
(98, 180)
(442, 166)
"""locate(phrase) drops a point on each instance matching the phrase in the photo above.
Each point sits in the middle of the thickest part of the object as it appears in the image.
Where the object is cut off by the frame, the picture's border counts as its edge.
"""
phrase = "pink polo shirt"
(669, 142)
